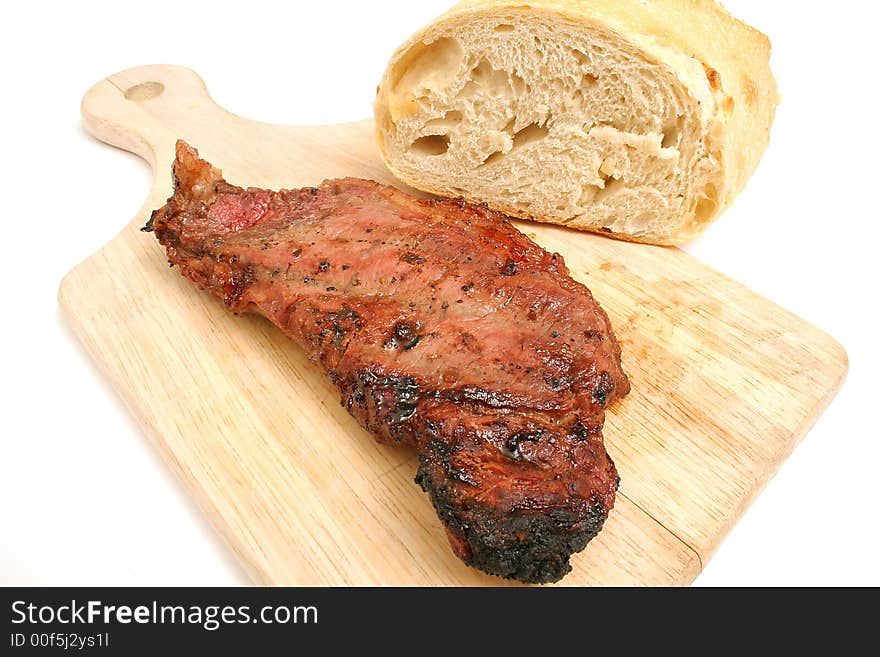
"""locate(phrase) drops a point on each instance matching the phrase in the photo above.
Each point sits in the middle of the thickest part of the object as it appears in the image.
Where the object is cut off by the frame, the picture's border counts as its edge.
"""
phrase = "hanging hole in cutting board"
(144, 91)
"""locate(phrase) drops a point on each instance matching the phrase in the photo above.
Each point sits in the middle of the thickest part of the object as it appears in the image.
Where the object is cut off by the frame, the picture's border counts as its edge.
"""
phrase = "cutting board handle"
(132, 109)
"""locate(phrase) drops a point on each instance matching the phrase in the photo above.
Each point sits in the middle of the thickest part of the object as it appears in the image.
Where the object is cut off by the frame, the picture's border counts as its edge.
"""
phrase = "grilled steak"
(444, 328)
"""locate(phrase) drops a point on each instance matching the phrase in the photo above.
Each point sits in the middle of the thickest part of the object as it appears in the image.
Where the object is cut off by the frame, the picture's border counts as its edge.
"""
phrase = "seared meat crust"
(444, 328)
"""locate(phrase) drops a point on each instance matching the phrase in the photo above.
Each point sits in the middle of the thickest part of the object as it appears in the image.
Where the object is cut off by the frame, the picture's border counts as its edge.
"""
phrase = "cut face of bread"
(558, 116)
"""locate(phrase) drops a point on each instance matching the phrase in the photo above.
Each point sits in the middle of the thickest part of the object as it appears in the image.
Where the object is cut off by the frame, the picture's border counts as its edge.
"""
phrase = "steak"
(444, 328)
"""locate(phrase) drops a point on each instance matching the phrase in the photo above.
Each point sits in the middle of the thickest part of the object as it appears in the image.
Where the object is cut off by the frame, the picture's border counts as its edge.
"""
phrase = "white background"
(83, 497)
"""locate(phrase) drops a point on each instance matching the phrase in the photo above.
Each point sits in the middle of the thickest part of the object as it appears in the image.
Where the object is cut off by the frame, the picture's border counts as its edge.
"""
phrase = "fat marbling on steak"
(444, 328)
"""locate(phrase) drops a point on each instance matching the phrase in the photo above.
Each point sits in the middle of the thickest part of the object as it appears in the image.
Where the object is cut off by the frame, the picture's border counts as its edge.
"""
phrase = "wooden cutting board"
(725, 383)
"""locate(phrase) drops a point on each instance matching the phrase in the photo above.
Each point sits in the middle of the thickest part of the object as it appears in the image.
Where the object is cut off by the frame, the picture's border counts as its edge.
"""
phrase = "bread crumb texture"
(639, 120)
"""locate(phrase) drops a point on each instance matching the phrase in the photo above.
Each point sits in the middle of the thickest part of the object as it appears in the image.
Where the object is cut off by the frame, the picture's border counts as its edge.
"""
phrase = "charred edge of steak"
(533, 548)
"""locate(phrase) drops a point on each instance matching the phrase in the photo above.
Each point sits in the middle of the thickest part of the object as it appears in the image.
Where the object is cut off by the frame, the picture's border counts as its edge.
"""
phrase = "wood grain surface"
(725, 383)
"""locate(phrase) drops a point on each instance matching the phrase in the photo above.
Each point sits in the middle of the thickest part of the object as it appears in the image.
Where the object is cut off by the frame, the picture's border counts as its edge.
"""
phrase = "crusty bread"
(642, 119)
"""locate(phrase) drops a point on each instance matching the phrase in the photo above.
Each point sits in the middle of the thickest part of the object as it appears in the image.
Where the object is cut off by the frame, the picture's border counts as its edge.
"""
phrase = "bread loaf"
(640, 119)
